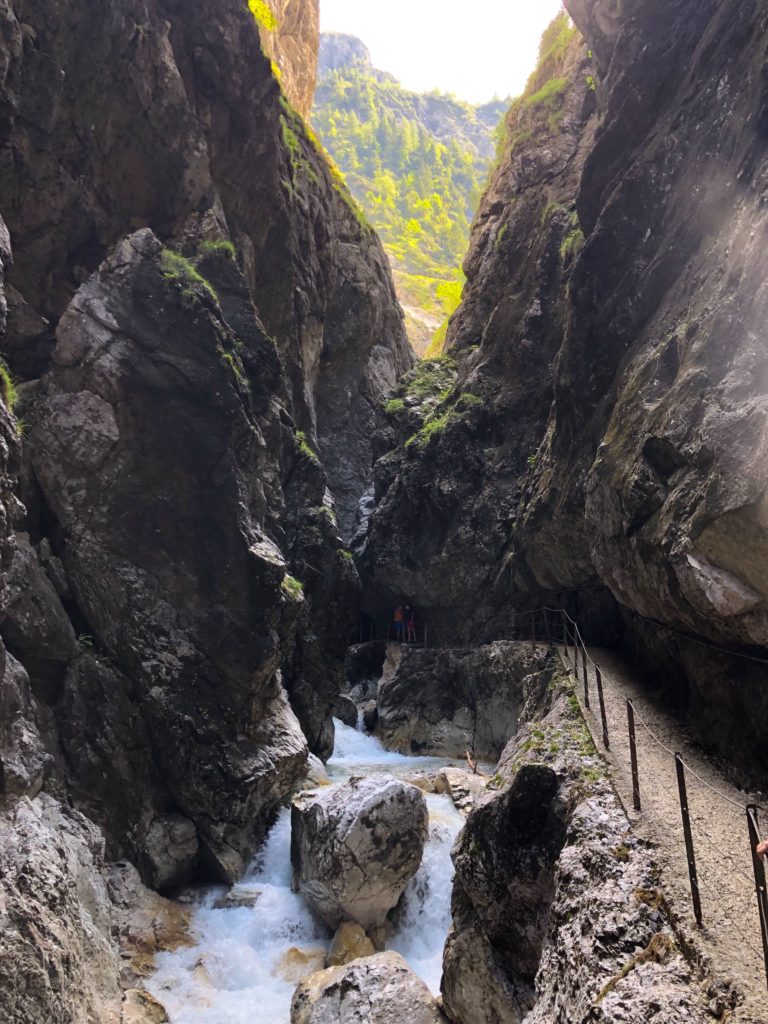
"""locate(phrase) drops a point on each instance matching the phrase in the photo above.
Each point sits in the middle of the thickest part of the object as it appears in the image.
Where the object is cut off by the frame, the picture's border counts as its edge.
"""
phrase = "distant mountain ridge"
(416, 163)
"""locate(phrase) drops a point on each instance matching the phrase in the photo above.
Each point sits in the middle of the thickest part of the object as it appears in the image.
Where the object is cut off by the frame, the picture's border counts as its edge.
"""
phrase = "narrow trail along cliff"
(731, 933)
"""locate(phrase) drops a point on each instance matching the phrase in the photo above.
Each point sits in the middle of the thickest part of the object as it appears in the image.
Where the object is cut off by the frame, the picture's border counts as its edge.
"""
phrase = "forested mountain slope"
(416, 164)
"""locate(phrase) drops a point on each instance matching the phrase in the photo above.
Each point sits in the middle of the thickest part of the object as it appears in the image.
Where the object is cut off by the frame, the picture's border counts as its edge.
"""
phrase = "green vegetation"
(394, 406)
(419, 192)
(176, 268)
(223, 247)
(573, 243)
(7, 387)
(263, 14)
(539, 110)
(305, 448)
(292, 588)
(557, 35)
(549, 95)
(235, 366)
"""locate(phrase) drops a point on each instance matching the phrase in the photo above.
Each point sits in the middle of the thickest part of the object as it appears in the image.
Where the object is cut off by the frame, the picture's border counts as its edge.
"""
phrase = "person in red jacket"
(399, 623)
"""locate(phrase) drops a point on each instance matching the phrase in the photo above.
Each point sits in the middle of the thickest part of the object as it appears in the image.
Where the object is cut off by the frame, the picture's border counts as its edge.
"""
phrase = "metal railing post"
(547, 629)
(575, 652)
(586, 674)
(565, 632)
(758, 864)
(689, 852)
(601, 698)
(633, 756)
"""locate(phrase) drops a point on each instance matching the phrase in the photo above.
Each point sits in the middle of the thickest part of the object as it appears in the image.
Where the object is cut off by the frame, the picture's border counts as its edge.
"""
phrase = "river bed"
(234, 972)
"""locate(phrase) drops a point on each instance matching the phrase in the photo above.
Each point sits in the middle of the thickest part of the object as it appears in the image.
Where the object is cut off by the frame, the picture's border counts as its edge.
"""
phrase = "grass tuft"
(178, 269)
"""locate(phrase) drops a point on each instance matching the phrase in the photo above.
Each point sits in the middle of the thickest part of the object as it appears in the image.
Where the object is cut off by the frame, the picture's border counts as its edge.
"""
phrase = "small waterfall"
(237, 970)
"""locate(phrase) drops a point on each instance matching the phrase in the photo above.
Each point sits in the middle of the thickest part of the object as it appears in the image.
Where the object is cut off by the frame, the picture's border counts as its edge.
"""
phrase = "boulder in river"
(349, 943)
(355, 848)
(381, 989)
(445, 701)
(345, 710)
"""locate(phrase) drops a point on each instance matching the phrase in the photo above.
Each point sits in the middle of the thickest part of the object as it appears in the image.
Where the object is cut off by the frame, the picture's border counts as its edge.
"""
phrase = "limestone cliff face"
(196, 315)
(293, 46)
(610, 329)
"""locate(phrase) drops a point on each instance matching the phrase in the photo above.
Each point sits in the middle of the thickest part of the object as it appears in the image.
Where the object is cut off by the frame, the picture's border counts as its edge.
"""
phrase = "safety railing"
(555, 628)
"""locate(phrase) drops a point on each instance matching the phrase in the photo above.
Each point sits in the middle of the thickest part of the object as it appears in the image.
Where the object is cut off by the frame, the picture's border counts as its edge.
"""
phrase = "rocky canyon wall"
(194, 314)
(602, 442)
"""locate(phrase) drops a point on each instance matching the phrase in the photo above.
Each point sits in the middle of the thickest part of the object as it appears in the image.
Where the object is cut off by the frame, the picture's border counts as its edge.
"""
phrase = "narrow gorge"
(227, 792)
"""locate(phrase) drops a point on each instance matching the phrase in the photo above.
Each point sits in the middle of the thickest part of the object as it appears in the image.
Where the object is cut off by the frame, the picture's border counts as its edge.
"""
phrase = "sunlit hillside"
(416, 163)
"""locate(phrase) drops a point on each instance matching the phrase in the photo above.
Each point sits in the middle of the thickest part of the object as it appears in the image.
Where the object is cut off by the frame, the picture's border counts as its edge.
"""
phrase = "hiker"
(399, 623)
(762, 849)
(410, 625)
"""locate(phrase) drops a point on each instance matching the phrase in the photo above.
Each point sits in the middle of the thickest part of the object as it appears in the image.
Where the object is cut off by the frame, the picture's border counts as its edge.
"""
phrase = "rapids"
(232, 973)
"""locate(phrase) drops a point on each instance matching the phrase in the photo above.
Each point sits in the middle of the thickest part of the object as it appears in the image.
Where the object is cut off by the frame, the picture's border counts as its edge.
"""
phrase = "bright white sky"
(474, 48)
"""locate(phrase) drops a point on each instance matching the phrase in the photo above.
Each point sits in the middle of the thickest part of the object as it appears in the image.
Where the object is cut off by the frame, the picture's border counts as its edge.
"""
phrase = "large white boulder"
(380, 989)
(355, 848)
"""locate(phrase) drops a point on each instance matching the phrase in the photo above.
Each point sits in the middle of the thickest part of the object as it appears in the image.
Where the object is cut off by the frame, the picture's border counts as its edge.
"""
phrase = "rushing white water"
(236, 972)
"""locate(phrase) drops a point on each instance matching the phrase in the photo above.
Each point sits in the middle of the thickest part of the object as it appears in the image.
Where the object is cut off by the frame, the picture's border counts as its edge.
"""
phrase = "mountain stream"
(247, 960)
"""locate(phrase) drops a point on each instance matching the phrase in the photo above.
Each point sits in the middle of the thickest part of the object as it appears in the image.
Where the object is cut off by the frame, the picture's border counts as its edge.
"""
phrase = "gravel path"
(730, 938)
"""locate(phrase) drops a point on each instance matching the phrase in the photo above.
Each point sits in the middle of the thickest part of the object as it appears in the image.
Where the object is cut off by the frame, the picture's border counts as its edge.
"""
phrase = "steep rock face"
(555, 911)
(455, 475)
(445, 702)
(294, 46)
(180, 525)
(193, 154)
(189, 607)
(612, 339)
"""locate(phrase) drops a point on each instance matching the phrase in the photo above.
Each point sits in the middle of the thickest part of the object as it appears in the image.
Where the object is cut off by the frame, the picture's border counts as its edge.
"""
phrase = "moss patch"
(7, 388)
(293, 588)
(180, 271)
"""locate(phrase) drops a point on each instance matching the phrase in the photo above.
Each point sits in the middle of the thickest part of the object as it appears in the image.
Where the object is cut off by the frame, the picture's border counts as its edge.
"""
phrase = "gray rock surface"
(610, 329)
(381, 989)
(443, 702)
(556, 910)
(294, 47)
(355, 848)
(35, 626)
(58, 961)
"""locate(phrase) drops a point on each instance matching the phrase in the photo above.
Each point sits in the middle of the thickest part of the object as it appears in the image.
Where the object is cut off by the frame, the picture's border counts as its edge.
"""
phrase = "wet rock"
(379, 990)
(139, 1007)
(345, 710)
(447, 701)
(355, 848)
(317, 775)
(143, 922)
(349, 943)
(463, 787)
(238, 898)
(370, 712)
(297, 964)
(426, 782)
(172, 849)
